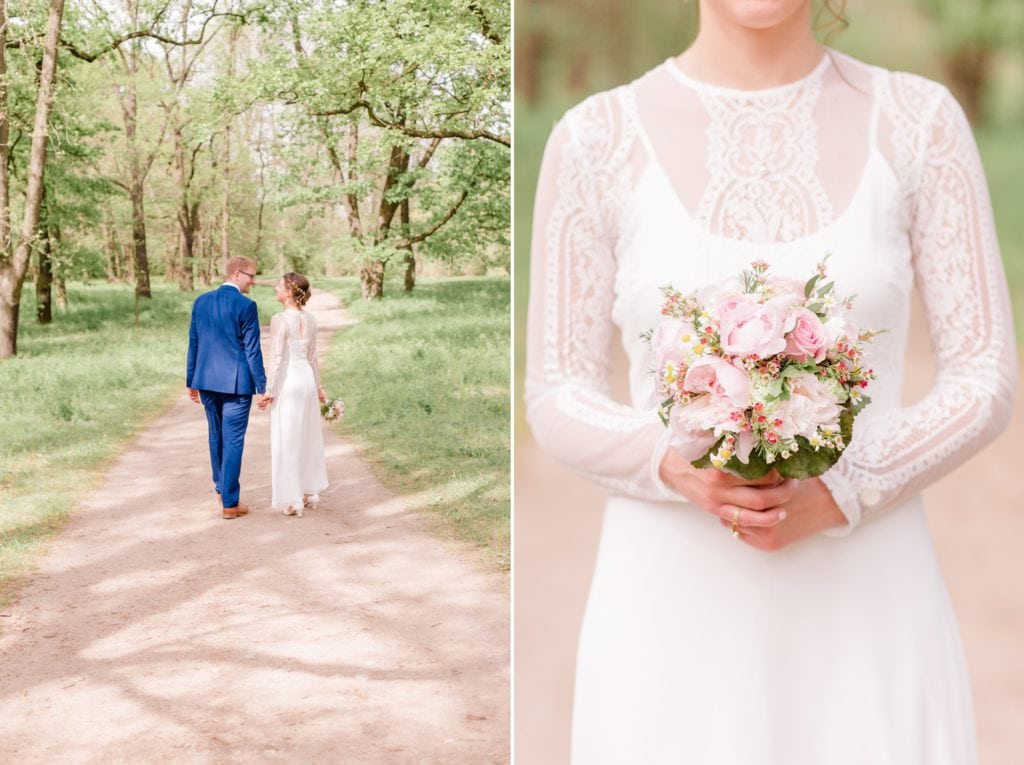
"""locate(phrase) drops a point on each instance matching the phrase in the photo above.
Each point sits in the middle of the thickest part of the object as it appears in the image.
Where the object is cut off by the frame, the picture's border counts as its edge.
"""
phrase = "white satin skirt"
(698, 649)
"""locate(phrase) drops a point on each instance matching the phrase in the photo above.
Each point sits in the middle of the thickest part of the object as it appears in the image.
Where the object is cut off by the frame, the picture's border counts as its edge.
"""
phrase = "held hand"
(194, 395)
(264, 401)
(809, 509)
(748, 504)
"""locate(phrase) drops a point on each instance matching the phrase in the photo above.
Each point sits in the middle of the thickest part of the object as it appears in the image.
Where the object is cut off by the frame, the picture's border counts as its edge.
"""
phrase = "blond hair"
(240, 263)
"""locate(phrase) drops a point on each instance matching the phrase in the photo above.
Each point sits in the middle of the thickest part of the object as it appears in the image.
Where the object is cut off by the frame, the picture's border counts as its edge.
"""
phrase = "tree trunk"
(969, 71)
(138, 167)
(140, 258)
(60, 292)
(12, 269)
(44, 282)
(371, 279)
(185, 215)
(410, 255)
(225, 242)
(112, 264)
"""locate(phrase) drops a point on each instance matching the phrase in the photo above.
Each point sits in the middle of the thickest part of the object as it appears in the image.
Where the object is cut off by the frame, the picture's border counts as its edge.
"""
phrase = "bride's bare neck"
(736, 55)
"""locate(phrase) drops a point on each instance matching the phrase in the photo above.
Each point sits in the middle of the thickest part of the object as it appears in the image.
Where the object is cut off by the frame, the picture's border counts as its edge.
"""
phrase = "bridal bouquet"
(758, 372)
(333, 410)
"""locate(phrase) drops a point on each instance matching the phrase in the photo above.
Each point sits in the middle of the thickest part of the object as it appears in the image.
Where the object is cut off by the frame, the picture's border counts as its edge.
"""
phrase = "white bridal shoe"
(311, 501)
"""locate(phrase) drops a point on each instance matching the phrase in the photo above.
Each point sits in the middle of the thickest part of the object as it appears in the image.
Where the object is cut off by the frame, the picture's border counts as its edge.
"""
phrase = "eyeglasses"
(246, 273)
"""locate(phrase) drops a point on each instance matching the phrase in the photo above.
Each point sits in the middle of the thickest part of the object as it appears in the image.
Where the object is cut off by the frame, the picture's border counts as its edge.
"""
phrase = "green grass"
(76, 393)
(425, 380)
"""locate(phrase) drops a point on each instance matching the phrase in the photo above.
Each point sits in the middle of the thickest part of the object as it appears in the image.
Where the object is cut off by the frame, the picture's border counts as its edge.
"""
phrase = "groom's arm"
(251, 341)
(193, 348)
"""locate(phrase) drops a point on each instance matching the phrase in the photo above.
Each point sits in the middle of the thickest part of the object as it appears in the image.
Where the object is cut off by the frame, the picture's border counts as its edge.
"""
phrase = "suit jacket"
(224, 344)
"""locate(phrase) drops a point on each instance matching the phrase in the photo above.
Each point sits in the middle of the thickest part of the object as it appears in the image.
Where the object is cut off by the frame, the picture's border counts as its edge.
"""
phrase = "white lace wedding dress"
(296, 442)
(696, 648)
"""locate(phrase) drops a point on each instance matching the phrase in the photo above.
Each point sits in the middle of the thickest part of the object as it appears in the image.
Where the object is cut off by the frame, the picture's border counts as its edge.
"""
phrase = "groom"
(225, 369)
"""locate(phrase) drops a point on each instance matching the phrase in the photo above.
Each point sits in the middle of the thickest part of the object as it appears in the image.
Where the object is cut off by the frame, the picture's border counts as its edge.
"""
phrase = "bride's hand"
(809, 510)
(760, 502)
(773, 512)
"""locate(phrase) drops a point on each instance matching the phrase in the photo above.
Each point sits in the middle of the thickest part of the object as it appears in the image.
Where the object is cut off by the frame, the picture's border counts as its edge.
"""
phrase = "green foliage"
(425, 382)
(378, 83)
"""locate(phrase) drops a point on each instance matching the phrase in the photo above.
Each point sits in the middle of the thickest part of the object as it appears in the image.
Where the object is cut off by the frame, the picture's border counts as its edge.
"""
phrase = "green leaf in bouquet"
(755, 468)
(864, 401)
(846, 425)
(704, 463)
(823, 291)
(805, 462)
(663, 410)
(809, 287)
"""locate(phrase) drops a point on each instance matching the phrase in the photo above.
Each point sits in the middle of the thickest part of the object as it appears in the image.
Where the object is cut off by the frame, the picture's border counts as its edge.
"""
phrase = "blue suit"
(225, 365)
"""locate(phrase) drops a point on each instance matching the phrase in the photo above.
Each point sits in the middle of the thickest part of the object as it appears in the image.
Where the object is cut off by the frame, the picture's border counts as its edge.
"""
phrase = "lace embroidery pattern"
(590, 408)
(580, 264)
(957, 265)
(762, 160)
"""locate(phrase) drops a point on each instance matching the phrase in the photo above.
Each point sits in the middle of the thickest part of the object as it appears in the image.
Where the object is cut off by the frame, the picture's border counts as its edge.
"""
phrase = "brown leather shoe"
(235, 512)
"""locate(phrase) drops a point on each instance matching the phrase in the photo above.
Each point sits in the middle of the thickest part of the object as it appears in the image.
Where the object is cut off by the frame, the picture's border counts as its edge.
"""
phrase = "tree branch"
(151, 34)
(414, 132)
(411, 240)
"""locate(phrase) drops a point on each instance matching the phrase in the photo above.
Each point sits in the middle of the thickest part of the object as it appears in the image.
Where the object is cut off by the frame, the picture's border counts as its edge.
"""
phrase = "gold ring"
(735, 521)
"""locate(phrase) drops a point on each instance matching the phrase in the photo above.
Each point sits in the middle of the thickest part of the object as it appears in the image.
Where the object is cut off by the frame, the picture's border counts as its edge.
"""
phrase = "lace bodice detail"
(762, 155)
(293, 341)
(668, 180)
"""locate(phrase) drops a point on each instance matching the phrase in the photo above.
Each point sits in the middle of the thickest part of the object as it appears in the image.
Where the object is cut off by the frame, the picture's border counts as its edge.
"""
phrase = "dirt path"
(155, 631)
(976, 515)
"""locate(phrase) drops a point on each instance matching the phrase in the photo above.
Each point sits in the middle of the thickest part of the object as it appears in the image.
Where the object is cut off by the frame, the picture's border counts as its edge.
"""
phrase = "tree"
(384, 85)
(970, 36)
(14, 259)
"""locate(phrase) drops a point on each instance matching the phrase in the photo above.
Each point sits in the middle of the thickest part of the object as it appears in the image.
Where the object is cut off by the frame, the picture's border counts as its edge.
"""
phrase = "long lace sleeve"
(278, 347)
(311, 348)
(959, 274)
(570, 329)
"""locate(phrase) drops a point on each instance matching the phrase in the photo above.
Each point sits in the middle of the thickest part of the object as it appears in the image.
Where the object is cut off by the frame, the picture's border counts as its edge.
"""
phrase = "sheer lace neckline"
(815, 74)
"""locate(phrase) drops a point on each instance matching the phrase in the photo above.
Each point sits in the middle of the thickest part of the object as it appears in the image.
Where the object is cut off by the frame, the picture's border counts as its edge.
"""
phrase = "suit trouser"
(227, 417)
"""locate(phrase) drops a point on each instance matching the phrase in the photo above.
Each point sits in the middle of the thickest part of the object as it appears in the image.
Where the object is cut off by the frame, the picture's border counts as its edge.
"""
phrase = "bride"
(294, 394)
(822, 633)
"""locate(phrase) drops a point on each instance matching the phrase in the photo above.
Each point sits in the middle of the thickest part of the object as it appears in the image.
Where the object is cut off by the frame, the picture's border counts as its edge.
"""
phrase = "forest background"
(365, 144)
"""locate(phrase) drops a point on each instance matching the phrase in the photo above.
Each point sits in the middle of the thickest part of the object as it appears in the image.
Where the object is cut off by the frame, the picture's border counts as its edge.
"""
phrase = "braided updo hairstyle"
(298, 288)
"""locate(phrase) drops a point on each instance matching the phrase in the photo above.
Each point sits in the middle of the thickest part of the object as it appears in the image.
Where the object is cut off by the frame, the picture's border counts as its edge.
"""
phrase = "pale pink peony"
(805, 336)
(810, 405)
(748, 328)
(840, 327)
(669, 334)
(667, 342)
(793, 289)
(694, 426)
(715, 375)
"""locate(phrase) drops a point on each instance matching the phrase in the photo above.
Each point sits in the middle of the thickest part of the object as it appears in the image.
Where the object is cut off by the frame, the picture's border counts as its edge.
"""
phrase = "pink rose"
(805, 336)
(721, 379)
(755, 329)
